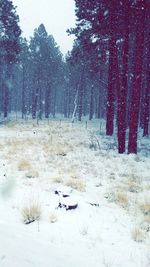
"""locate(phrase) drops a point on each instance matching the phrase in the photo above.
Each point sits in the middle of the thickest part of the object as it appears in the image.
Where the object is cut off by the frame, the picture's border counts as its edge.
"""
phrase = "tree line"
(106, 75)
(113, 44)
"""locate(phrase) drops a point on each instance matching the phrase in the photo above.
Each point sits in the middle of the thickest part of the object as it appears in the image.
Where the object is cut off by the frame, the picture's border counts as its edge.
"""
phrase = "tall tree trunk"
(99, 104)
(111, 87)
(35, 94)
(91, 103)
(23, 93)
(7, 85)
(6, 100)
(47, 102)
(66, 101)
(122, 90)
(80, 96)
(112, 76)
(147, 106)
(146, 115)
(136, 92)
(40, 111)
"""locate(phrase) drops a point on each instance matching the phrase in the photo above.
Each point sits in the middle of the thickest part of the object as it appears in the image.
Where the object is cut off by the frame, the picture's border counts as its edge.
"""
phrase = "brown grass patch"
(31, 213)
(121, 199)
(57, 179)
(138, 234)
(24, 165)
(145, 207)
(77, 184)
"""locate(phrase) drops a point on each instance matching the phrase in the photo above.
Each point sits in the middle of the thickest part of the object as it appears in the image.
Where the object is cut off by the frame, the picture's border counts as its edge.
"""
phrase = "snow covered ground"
(111, 225)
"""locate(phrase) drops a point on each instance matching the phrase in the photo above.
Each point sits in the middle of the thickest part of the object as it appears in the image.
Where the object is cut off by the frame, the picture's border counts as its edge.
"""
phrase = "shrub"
(31, 213)
(138, 234)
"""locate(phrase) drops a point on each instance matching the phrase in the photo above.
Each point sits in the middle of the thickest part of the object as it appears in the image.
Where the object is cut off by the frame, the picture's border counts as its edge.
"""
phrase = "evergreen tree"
(46, 66)
(9, 44)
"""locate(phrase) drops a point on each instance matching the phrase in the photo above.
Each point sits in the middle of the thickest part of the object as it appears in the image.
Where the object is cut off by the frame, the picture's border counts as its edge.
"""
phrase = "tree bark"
(91, 103)
(122, 90)
(80, 96)
(147, 106)
(111, 87)
(136, 91)
(34, 102)
(23, 93)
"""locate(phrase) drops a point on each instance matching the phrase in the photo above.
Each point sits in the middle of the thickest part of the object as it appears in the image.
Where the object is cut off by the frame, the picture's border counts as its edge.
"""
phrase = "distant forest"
(105, 76)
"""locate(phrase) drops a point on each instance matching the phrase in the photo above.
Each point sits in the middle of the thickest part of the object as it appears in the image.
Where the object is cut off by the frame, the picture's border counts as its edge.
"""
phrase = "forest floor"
(55, 163)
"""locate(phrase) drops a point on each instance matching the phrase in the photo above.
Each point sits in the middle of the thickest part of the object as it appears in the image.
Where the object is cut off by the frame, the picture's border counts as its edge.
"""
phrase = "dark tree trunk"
(6, 100)
(113, 74)
(6, 90)
(136, 91)
(47, 102)
(66, 102)
(80, 103)
(81, 96)
(111, 88)
(34, 102)
(91, 103)
(146, 113)
(122, 90)
(23, 93)
(147, 107)
(54, 103)
(99, 104)
(40, 104)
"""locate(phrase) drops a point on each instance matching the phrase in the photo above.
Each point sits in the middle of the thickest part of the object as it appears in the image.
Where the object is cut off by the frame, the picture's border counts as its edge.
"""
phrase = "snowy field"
(57, 164)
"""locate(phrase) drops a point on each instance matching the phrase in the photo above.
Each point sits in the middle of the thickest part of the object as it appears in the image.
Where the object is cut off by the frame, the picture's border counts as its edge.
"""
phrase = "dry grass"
(121, 199)
(55, 149)
(12, 124)
(57, 179)
(138, 234)
(24, 165)
(60, 151)
(77, 184)
(134, 187)
(145, 207)
(31, 213)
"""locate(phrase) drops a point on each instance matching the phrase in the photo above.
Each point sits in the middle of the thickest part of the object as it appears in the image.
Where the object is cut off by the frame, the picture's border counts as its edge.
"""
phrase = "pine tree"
(9, 44)
(46, 64)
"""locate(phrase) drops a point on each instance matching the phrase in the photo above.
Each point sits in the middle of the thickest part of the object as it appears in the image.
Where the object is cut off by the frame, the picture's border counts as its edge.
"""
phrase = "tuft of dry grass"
(133, 187)
(31, 213)
(138, 234)
(145, 207)
(77, 184)
(24, 165)
(57, 179)
(121, 198)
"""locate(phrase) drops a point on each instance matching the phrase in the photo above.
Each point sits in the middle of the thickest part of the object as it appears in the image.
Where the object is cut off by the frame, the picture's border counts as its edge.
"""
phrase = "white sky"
(56, 15)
